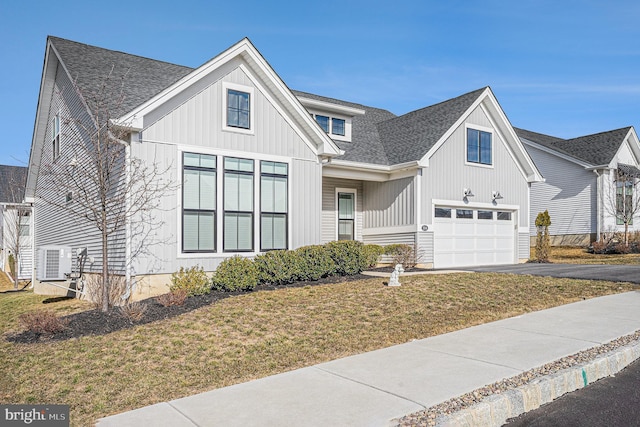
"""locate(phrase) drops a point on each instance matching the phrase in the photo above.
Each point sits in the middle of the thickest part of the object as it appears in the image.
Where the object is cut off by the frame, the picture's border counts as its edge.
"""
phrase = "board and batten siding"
(198, 122)
(448, 175)
(569, 194)
(53, 226)
(330, 209)
(389, 204)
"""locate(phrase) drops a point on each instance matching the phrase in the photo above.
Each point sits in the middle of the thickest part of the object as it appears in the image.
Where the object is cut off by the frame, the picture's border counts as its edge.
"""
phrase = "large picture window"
(274, 205)
(238, 205)
(198, 203)
(479, 147)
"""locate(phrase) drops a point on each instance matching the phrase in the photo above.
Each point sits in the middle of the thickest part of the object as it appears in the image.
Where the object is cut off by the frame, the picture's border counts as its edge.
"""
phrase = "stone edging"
(495, 410)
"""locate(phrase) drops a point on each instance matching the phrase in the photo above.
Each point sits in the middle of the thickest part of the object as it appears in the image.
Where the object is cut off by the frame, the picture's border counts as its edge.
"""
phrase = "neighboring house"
(260, 167)
(15, 222)
(581, 190)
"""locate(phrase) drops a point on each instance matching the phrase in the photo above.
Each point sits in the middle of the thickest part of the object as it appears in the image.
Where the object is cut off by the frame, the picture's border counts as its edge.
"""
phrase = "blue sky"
(565, 68)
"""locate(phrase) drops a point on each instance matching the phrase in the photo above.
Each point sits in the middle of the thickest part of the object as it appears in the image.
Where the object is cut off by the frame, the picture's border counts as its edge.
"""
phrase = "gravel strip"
(428, 416)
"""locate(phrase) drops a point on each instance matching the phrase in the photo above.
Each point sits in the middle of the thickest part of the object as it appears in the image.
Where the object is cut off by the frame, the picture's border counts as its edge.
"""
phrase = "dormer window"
(331, 125)
(337, 126)
(336, 120)
(323, 121)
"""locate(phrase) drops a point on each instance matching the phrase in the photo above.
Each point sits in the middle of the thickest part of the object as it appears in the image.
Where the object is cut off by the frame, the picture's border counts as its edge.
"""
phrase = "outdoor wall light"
(468, 192)
(496, 195)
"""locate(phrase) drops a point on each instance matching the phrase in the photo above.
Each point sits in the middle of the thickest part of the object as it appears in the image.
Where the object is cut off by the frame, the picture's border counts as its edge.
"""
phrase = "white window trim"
(355, 210)
(241, 88)
(466, 145)
(220, 155)
(347, 124)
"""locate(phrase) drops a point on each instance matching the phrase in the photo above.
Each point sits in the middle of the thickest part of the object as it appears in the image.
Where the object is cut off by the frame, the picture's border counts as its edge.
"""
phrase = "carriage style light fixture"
(496, 195)
(468, 192)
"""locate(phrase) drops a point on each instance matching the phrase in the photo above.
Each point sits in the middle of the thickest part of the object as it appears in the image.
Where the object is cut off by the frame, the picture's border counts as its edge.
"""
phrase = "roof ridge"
(50, 37)
(627, 128)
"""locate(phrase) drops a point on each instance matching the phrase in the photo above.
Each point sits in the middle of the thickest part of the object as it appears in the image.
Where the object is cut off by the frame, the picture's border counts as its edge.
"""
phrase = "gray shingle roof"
(89, 66)
(12, 182)
(378, 136)
(597, 149)
(409, 137)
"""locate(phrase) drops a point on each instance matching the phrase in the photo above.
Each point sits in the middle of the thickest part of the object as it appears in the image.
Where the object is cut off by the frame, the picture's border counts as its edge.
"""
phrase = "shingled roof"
(378, 136)
(140, 78)
(12, 183)
(597, 149)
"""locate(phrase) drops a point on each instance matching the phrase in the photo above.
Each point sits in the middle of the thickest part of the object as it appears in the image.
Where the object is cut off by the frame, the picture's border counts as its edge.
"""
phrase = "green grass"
(258, 334)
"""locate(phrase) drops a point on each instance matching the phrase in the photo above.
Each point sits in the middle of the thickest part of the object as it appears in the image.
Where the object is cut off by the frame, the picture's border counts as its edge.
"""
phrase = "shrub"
(315, 262)
(621, 248)
(235, 274)
(278, 267)
(371, 255)
(193, 280)
(401, 254)
(42, 322)
(347, 255)
(543, 244)
(133, 311)
(176, 297)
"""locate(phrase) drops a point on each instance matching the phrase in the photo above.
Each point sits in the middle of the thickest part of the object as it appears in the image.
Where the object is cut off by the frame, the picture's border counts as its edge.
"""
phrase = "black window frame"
(333, 127)
(213, 211)
(325, 127)
(439, 212)
(264, 214)
(236, 111)
(238, 212)
(352, 220)
(475, 135)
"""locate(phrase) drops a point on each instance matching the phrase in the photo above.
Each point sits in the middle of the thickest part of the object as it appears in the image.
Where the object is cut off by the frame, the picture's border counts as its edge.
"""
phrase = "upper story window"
(55, 136)
(238, 109)
(624, 201)
(479, 147)
(332, 125)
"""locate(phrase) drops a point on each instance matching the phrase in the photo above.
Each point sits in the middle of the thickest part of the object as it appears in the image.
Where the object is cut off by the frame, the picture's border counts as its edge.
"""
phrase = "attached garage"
(473, 236)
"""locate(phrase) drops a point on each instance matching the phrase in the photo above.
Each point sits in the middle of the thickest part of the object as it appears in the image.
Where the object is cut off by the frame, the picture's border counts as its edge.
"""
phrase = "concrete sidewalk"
(371, 389)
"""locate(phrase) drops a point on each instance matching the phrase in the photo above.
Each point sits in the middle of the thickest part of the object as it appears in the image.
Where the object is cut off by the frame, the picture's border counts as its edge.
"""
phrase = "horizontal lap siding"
(54, 225)
(524, 246)
(568, 193)
(388, 204)
(390, 239)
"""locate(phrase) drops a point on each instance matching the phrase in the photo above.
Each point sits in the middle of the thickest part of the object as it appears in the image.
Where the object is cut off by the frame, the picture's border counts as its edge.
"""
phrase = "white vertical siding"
(198, 122)
(448, 175)
(306, 203)
(568, 193)
(388, 204)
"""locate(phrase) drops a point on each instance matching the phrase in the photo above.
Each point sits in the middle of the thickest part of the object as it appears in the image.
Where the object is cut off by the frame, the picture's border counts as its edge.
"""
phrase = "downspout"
(127, 226)
(33, 245)
(599, 196)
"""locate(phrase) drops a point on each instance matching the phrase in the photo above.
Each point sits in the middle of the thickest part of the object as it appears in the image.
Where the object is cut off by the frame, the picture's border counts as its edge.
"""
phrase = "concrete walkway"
(371, 389)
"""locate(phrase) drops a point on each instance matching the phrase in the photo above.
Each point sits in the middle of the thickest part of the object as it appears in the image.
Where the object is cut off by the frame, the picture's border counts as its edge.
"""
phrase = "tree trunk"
(16, 271)
(105, 273)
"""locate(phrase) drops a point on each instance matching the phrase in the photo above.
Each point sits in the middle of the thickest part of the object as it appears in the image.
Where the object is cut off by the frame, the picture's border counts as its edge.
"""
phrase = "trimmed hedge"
(235, 274)
(278, 267)
(348, 256)
(315, 262)
(371, 255)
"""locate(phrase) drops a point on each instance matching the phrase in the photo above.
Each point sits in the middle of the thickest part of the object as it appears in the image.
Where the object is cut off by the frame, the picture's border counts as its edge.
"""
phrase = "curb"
(497, 409)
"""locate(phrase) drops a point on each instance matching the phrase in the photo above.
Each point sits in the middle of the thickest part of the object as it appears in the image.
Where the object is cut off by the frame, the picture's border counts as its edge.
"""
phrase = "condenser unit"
(53, 263)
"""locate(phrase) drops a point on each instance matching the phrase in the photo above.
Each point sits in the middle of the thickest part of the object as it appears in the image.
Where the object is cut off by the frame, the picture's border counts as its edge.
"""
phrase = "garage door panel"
(462, 242)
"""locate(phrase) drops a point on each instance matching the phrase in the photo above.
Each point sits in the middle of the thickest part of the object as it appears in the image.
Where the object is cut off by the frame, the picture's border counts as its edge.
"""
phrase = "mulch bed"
(95, 322)
(406, 270)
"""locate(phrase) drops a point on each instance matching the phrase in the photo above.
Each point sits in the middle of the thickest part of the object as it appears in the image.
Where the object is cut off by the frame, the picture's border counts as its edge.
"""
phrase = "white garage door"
(467, 237)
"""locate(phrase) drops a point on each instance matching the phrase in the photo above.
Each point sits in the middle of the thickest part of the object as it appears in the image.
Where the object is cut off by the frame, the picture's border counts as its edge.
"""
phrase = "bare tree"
(99, 183)
(623, 201)
(15, 218)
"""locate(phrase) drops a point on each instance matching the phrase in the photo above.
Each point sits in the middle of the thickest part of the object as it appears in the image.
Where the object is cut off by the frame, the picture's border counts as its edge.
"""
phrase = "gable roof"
(597, 149)
(411, 136)
(13, 179)
(138, 78)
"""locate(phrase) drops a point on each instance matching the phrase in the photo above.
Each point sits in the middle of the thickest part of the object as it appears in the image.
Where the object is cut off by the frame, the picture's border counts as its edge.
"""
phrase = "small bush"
(193, 280)
(348, 256)
(621, 248)
(42, 322)
(176, 297)
(278, 267)
(401, 254)
(315, 262)
(133, 311)
(235, 274)
(371, 255)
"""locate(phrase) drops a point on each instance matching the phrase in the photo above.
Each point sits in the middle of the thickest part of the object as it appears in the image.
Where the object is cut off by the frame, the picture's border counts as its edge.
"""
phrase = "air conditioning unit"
(53, 263)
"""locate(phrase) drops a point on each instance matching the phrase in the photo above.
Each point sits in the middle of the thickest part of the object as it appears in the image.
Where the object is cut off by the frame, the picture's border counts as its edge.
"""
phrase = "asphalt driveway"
(614, 273)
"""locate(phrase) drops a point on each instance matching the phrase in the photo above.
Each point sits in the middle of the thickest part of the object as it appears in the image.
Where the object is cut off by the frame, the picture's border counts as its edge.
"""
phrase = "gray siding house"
(259, 167)
(581, 180)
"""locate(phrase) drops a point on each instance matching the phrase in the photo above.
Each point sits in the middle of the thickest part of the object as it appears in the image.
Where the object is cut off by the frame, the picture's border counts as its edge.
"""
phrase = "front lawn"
(257, 334)
(579, 255)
